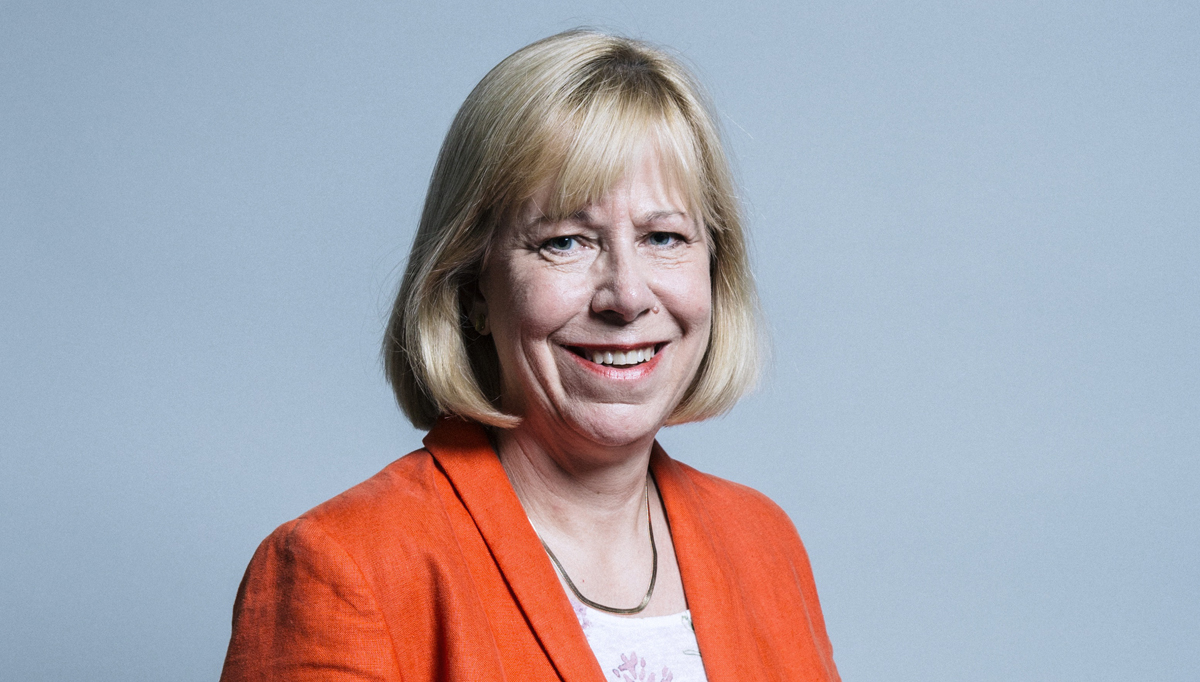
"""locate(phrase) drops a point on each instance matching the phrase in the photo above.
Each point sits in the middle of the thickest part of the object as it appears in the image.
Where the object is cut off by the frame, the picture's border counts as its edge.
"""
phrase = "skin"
(628, 271)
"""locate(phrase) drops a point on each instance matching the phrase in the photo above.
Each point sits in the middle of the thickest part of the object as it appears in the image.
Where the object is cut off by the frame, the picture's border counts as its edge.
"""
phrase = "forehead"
(646, 186)
(613, 159)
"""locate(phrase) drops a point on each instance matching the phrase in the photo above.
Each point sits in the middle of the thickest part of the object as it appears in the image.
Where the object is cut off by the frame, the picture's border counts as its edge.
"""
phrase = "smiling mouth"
(617, 356)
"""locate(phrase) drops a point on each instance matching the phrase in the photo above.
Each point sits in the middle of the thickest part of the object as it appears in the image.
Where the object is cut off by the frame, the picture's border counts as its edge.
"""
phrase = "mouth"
(618, 356)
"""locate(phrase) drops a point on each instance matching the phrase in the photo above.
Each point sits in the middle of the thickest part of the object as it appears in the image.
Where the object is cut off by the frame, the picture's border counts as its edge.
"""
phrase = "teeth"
(622, 358)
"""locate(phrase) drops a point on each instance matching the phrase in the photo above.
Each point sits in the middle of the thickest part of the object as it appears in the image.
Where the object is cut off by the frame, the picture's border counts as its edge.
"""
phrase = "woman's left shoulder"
(734, 507)
(723, 491)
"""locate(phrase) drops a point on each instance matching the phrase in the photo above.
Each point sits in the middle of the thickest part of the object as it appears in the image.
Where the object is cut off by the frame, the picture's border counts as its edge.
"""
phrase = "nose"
(623, 292)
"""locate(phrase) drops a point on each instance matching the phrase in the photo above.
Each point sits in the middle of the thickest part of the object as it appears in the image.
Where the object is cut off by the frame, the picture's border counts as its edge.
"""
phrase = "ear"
(478, 312)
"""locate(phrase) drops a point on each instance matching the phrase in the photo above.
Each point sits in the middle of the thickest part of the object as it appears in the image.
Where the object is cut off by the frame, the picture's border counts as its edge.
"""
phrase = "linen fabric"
(430, 570)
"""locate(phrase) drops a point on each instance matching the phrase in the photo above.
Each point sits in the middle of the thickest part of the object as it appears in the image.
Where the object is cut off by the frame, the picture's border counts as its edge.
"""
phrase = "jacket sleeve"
(801, 568)
(305, 611)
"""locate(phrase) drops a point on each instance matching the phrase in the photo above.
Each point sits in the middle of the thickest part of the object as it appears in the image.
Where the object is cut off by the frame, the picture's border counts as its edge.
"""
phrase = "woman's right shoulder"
(395, 510)
(319, 590)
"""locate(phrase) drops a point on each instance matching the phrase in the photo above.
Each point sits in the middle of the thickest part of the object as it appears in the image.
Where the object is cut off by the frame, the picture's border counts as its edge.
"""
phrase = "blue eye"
(560, 243)
(662, 238)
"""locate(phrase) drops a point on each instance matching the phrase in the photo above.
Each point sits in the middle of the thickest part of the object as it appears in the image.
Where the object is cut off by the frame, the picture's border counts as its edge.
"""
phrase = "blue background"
(975, 231)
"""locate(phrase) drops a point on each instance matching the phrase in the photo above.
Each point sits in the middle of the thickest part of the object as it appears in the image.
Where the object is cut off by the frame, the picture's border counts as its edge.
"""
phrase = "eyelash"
(675, 238)
(549, 244)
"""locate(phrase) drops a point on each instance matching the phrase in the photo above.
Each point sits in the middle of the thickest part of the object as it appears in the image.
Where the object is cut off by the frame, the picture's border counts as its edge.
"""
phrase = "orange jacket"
(430, 571)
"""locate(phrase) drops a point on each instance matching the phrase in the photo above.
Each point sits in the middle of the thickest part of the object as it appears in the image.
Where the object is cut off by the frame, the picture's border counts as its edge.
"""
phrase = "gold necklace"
(653, 571)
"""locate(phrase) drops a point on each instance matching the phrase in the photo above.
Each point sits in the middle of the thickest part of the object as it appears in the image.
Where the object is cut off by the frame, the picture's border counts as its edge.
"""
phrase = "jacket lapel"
(463, 451)
(723, 629)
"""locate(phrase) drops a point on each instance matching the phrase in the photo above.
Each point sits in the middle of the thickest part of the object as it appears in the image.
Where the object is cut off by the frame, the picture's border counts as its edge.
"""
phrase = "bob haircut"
(568, 111)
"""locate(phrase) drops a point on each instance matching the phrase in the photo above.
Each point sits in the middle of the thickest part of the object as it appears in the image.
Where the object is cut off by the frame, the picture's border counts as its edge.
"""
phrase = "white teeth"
(622, 358)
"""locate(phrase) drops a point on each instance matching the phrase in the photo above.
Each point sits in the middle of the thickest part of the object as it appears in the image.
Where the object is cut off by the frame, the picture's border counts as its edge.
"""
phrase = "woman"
(579, 280)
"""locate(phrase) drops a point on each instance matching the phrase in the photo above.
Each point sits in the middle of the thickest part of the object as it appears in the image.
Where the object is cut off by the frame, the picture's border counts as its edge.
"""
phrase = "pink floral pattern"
(673, 651)
(581, 612)
(633, 669)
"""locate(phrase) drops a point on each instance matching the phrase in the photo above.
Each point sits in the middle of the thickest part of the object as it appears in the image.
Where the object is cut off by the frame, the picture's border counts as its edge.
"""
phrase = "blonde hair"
(570, 110)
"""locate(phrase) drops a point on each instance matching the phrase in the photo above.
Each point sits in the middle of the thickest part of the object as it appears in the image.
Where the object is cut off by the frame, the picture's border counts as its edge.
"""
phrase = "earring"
(480, 323)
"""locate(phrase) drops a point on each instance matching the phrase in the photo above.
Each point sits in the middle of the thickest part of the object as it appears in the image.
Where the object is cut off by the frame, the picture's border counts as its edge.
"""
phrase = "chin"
(618, 425)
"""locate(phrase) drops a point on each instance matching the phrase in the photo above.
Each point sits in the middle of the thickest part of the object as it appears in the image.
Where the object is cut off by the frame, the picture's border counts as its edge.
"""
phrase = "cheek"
(535, 304)
(690, 294)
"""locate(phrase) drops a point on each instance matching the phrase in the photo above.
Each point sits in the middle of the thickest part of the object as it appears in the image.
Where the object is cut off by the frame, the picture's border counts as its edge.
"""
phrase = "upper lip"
(615, 347)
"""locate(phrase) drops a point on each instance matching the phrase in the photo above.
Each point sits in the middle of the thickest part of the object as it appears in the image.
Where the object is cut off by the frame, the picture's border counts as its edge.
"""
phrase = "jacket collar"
(463, 451)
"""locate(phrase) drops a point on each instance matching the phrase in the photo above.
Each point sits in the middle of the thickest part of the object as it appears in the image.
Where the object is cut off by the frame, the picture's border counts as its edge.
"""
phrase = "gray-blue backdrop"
(976, 235)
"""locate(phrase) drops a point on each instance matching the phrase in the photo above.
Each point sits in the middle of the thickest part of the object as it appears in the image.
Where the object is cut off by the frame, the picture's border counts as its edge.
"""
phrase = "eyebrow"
(583, 216)
(655, 216)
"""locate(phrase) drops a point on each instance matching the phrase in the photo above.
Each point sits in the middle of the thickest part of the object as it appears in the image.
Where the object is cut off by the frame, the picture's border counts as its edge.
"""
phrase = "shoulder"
(757, 556)
(311, 597)
(728, 500)
(407, 485)
(395, 512)
(753, 533)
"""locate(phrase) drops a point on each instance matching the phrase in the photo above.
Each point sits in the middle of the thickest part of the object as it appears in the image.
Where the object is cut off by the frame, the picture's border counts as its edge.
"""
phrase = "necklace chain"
(653, 571)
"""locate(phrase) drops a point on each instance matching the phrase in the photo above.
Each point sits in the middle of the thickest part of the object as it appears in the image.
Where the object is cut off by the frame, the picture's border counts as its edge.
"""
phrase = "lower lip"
(628, 373)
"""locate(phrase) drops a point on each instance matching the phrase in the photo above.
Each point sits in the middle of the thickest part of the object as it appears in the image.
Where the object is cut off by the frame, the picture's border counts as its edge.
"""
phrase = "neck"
(573, 489)
(590, 504)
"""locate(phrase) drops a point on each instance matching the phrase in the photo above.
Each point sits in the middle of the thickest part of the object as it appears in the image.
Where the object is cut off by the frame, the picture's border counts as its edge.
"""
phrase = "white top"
(654, 649)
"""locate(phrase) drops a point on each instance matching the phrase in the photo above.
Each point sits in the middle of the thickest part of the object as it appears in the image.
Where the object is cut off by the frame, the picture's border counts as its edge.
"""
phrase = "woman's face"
(600, 320)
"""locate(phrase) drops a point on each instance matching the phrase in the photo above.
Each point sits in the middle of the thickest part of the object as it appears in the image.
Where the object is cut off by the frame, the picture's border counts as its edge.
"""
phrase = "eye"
(561, 244)
(662, 239)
